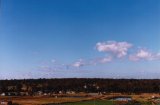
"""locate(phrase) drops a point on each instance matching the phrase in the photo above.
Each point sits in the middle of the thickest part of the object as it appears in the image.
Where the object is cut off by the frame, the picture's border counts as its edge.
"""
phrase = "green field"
(98, 102)
(102, 102)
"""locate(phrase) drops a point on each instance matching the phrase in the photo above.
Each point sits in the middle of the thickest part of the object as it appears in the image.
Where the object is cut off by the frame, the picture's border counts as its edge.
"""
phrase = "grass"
(29, 100)
(97, 102)
(104, 102)
(100, 100)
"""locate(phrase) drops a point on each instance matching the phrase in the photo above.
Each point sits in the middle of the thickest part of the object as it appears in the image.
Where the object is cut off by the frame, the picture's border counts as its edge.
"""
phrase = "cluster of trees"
(81, 85)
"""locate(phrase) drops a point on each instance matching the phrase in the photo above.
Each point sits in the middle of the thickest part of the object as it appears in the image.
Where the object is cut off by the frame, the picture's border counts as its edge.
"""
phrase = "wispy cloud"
(118, 49)
(94, 61)
(79, 63)
(105, 59)
(143, 54)
(101, 60)
(112, 50)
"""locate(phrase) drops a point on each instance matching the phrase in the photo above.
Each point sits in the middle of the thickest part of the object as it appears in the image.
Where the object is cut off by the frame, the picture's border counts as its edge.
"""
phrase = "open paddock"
(144, 99)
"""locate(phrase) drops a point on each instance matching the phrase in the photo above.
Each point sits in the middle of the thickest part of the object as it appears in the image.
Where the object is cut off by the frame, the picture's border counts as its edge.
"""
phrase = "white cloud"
(101, 60)
(79, 63)
(118, 49)
(90, 62)
(144, 55)
(106, 59)
(112, 49)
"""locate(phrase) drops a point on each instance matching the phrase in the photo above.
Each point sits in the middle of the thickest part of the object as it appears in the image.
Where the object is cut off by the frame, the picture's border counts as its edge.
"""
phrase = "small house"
(3, 94)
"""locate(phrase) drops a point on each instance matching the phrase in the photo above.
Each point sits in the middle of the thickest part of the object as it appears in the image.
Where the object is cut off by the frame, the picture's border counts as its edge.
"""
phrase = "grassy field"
(104, 102)
(28, 100)
(97, 102)
(143, 99)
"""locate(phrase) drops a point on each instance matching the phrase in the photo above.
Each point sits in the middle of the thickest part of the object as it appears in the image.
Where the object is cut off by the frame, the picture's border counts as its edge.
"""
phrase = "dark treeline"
(81, 85)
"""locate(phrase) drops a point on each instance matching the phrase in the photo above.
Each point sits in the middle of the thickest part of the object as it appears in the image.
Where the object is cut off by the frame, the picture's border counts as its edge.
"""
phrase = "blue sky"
(79, 38)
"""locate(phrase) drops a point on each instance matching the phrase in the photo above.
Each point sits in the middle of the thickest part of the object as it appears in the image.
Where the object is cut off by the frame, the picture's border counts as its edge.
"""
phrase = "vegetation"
(97, 102)
(81, 85)
(104, 102)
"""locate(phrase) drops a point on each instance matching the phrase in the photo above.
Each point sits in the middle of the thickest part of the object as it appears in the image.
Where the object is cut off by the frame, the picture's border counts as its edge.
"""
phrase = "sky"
(79, 39)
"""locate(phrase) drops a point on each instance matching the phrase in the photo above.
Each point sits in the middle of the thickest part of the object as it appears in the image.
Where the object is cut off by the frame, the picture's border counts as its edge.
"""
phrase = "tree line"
(81, 85)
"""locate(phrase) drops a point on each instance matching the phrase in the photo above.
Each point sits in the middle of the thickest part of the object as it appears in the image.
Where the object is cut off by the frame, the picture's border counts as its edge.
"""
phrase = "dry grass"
(28, 100)
(41, 100)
